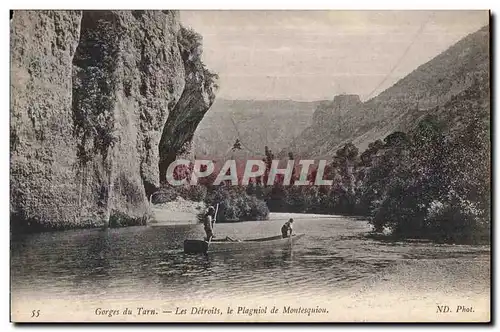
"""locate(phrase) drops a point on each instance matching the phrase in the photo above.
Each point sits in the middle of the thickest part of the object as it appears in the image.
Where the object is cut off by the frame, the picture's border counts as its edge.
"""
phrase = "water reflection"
(287, 254)
(132, 261)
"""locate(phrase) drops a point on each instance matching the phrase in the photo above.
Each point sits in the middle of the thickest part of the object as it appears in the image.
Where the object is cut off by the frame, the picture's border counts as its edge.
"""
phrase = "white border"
(254, 4)
(190, 4)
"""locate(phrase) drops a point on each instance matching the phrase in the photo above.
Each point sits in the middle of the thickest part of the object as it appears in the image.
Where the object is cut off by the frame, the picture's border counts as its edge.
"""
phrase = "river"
(334, 257)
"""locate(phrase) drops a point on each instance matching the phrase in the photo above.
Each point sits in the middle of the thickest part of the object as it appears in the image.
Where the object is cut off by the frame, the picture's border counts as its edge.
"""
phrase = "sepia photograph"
(250, 166)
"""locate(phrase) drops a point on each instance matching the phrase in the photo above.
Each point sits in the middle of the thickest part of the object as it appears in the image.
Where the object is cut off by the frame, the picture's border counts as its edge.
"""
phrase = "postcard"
(250, 166)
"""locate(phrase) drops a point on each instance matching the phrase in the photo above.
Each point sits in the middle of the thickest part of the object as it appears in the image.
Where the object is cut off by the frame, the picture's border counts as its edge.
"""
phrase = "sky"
(315, 55)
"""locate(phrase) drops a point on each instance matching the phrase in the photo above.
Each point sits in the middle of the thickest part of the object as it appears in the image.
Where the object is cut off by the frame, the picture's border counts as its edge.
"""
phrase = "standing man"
(287, 227)
(209, 222)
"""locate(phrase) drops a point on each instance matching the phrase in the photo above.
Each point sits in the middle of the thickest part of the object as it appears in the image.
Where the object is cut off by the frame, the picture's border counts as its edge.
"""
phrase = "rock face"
(329, 117)
(256, 123)
(43, 151)
(194, 102)
(340, 106)
(91, 93)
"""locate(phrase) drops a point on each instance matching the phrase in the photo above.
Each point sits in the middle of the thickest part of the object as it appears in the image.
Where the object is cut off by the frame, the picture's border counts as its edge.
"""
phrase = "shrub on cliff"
(191, 47)
(190, 43)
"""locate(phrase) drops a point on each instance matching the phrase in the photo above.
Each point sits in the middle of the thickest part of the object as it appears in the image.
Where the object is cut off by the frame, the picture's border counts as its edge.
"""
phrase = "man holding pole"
(287, 228)
(209, 222)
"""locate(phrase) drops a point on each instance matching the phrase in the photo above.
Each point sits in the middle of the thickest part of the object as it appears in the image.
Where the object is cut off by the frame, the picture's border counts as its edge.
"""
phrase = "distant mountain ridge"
(424, 90)
(256, 123)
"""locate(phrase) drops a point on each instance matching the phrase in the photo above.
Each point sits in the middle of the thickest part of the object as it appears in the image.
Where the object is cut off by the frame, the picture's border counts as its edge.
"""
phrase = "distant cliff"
(329, 111)
(426, 90)
(256, 123)
(93, 94)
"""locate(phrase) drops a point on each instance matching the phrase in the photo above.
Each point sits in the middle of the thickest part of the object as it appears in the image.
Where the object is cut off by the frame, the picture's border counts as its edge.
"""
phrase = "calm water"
(131, 262)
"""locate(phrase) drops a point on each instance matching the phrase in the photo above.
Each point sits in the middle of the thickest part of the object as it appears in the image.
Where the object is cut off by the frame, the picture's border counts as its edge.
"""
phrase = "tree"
(236, 145)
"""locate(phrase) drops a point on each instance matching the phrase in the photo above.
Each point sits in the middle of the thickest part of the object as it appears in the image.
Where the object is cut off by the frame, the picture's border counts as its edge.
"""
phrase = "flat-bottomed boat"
(227, 244)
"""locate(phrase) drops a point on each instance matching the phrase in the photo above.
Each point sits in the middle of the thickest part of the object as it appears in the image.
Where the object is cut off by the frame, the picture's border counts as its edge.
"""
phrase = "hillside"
(424, 91)
(256, 123)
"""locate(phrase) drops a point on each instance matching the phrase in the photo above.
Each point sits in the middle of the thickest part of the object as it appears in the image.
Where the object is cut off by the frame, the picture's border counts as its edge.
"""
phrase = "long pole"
(215, 219)
(216, 210)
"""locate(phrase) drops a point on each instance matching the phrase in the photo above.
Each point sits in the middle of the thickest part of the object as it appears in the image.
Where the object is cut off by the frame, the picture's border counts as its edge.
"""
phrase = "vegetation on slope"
(432, 182)
(400, 107)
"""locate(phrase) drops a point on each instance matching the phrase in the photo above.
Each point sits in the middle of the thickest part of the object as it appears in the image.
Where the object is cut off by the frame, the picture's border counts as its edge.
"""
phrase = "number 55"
(35, 313)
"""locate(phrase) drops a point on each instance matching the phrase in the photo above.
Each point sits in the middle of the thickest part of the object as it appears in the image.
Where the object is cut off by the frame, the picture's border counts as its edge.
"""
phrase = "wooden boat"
(222, 245)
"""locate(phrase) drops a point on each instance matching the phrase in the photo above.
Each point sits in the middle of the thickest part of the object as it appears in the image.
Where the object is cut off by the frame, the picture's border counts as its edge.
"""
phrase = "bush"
(456, 221)
(196, 193)
(120, 219)
(166, 194)
(236, 205)
(436, 187)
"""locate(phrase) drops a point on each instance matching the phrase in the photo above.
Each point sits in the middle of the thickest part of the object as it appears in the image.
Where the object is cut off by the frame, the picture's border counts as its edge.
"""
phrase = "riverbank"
(178, 211)
(286, 216)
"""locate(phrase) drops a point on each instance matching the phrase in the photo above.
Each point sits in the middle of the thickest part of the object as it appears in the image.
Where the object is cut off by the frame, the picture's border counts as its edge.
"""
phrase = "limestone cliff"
(341, 104)
(92, 93)
(194, 102)
(329, 117)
